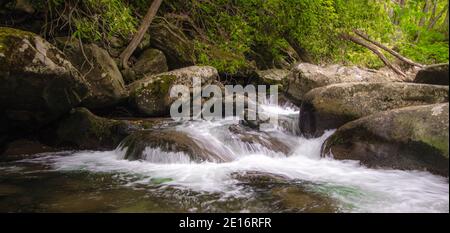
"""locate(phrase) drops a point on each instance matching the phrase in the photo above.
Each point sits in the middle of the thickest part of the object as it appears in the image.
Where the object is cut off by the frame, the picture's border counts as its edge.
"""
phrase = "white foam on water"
(357, 188)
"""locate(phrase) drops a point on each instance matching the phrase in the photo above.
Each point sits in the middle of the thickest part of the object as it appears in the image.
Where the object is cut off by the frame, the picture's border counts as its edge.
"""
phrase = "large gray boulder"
(151, 95)
(332, 106)
(305, 77)
(411, 138)
(37, 83)
(434, 74)
(99, 69)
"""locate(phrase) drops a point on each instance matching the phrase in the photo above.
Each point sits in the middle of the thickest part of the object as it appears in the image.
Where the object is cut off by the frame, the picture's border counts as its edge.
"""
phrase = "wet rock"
(259, 178)
(81, 129)
(25, 147)
(434, 74)
(151, 95)
(300, 199)
(288, 195)
(411, 138)
(305, 77)
(252, 137)
(332, 106)
(171, 141)
(99, 69)
(37, 83)
(254, 119)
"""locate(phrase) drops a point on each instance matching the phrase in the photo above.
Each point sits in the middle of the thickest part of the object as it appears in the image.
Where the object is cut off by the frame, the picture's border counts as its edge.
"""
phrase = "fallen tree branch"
(374, 49)
(126, 54)
(394, 53)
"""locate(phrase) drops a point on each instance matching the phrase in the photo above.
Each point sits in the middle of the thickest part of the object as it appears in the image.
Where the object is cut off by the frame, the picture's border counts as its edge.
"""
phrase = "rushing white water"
(356, 188)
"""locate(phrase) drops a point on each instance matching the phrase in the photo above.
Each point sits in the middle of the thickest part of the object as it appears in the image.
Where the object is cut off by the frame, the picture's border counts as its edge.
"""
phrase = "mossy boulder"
(332, 106)
(411, 138)
(151, 95)
(151, 61)
(305, 77)
(178, 145)
(434, 74)
(99, 69)
(37, 83)
(172, 41)
(82, 129)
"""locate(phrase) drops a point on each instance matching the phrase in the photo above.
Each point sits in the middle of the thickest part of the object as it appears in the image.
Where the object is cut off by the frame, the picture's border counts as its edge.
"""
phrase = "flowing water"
(258, 179)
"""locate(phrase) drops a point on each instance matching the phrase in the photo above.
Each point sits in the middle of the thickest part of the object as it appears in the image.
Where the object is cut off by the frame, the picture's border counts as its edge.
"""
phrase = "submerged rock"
(332, 106)
(170, 141)
(100, 70)
(411, 138)
(151, 95)
(305, 77)
(288, 195)
(434, 74)
(37, 83)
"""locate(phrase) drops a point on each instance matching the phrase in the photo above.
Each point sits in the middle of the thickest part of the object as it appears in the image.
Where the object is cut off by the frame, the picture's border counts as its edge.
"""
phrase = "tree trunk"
(422, 20)
(301, 52)
(434, 20)
(374, 50)
(394, 53)
(126, 54)
(425, 10)
(445, 25)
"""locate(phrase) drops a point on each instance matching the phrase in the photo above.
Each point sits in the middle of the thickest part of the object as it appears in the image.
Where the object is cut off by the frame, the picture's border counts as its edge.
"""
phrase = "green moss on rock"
(410, 138)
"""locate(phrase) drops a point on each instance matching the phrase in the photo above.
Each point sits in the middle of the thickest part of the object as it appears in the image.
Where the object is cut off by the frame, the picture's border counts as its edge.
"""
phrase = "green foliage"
(420, 42)
(90, 20)
(234, 35)
(109, 18)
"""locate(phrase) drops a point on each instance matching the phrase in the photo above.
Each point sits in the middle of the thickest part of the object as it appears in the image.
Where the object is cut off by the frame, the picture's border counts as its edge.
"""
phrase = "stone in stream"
(411, 138)
(81, 129)
(168, 140)
(288, 195)
(253, 137)
(151, 95)
(332, 106)
(434, 74)
(151, 61)
(24, 147)
(99, 69)
(37, 83)
(305, 77)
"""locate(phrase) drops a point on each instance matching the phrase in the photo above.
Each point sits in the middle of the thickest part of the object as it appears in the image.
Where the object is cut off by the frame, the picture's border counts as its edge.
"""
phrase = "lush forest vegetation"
(236, 34)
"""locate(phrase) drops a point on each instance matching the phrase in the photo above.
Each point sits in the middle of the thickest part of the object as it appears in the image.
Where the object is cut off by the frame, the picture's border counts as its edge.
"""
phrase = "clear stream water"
(300, 181)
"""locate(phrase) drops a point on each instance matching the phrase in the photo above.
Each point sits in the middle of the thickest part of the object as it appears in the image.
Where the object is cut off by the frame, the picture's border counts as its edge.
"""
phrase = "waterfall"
(278, 151)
